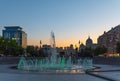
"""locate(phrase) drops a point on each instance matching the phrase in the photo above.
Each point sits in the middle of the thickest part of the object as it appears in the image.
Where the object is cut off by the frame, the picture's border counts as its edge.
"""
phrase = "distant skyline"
(70, 20)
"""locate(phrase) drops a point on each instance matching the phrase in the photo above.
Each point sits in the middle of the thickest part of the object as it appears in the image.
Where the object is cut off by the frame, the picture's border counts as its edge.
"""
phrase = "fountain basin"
(59, 66)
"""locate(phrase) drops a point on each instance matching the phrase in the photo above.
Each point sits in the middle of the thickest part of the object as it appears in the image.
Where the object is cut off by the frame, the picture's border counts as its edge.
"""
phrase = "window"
(7, 35)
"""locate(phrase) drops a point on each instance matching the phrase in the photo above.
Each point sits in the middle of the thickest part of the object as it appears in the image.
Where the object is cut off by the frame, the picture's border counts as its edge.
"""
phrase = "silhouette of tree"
(118, 47)
(87, 52)
(30, 50)
(100, 50)
(10, 47)
(41, 53)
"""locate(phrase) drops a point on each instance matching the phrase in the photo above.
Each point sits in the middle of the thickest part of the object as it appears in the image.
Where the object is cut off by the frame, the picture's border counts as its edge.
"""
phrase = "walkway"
(106, 73)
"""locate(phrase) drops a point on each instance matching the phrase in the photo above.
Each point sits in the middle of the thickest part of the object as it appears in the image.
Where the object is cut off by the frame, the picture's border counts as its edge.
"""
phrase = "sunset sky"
(71, 20)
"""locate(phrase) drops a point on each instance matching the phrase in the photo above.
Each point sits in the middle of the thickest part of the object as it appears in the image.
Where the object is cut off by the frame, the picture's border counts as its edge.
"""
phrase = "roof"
(13, 27)
(89, 40)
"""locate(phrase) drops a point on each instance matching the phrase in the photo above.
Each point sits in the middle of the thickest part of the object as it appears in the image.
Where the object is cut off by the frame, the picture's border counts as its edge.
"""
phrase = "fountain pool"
(61, 65)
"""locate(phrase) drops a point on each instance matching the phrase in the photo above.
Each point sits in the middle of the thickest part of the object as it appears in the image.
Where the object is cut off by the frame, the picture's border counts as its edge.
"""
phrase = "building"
(109, 39)
(47, 49)
(15, 33)
(89, 44)
(69, 50)
(59, 49)
(81, 47)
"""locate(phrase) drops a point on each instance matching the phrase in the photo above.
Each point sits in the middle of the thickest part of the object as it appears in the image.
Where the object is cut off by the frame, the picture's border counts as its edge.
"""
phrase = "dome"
(89, 41)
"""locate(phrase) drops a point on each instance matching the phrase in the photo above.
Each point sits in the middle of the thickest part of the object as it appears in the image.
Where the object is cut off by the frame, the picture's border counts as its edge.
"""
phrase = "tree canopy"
(100, 50)
(10, 47)
(118, 47)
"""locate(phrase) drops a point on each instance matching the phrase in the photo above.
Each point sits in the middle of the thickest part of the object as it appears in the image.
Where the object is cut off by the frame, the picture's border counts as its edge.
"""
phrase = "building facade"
(15, 33)
(47, 49)
(89, 44)
(109, 39)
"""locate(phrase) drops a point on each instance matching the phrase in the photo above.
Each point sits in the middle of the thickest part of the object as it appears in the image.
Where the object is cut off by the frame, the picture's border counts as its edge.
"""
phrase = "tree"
(32, 51)
(41, 53)
(100, 50)
(118, 47)
(20, 51)
(1, 45)
(87, 52)
(10, 47)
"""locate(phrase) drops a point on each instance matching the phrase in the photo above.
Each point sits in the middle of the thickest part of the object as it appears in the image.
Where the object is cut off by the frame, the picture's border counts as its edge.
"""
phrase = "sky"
(70, 20)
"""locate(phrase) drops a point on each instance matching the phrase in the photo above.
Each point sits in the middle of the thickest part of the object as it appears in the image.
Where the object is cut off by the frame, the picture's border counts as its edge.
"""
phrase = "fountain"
(55, 64)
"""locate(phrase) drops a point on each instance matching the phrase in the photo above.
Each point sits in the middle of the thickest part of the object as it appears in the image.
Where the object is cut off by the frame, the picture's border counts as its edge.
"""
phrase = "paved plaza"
(108, 71)
(111, 72)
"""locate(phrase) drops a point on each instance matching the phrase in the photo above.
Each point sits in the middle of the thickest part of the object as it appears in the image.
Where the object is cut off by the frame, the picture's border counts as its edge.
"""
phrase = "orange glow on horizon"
(61, 43)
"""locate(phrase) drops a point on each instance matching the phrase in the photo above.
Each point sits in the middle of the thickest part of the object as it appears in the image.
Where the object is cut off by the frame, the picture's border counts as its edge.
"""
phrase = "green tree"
(100, 50)
(1, 45)
(10, 47)
(30, 50)
(41, 53)
(118, 47)
(87, 52)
